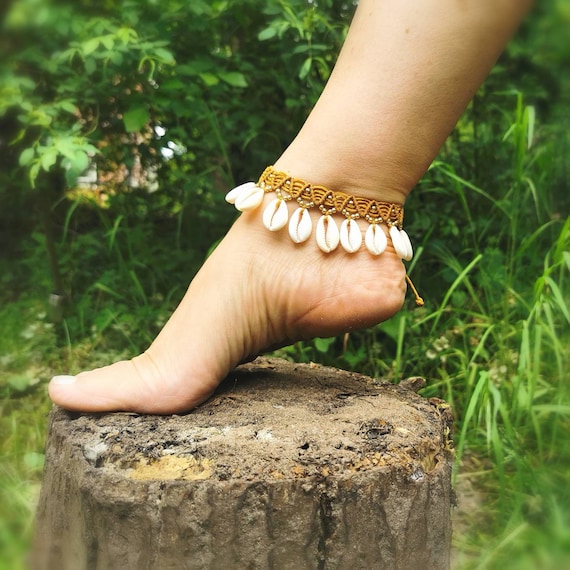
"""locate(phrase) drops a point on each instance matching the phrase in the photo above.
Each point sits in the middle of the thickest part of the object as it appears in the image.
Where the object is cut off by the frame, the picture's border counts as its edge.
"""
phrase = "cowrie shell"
(409, 249)
(249, 198)
(276, 215)
(350, 236)
(375, 239)
(327, 234)
(300, 226)
(232, 195)
(398, 243)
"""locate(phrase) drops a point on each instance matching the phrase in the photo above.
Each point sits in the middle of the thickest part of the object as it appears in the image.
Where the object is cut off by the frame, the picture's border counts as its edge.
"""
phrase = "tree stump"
(287, 466)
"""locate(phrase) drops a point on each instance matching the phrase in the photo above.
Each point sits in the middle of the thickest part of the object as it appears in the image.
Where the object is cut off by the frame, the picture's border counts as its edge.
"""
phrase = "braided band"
(249, 196)
(329, 202)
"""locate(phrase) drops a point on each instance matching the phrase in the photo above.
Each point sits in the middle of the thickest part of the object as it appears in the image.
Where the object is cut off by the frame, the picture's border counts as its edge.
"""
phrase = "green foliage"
(171, 102)
(81, 80)
(113, 90)
(55, 99)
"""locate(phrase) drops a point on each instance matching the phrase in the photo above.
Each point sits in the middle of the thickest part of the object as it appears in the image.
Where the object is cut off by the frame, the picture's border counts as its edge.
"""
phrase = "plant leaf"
(305, 68)
(136, 118)
(267, 34)
(323, 344)
(27, 156)
(234, 78)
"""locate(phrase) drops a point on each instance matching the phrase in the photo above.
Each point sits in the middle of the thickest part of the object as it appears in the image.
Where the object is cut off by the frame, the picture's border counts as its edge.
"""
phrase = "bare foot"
(258, 290)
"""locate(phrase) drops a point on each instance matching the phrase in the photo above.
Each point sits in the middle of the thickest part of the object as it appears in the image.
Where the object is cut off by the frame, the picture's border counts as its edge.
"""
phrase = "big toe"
(131, 385)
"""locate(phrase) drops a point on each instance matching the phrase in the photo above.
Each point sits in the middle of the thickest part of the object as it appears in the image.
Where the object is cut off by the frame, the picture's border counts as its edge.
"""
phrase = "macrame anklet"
(249, 196)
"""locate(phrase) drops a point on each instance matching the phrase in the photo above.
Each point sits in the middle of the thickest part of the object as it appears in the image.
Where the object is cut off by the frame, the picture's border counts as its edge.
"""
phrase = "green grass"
(492, 262)
(26, 340)
(22, 424)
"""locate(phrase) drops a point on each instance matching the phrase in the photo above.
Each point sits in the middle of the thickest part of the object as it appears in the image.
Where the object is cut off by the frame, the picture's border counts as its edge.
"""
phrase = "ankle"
(350, 175)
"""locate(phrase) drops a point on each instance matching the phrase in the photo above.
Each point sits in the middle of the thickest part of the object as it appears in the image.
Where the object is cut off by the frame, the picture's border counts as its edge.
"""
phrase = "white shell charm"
(232, 195)
(350, 236)
(276, 215)
(375, 239)
(401, 243)
(300, 226)
(249, 198)
(250, 195)
(327, 234)
(408, 244)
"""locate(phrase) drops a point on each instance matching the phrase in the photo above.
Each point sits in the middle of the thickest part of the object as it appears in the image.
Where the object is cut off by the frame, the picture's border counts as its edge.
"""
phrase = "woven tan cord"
(329, 201)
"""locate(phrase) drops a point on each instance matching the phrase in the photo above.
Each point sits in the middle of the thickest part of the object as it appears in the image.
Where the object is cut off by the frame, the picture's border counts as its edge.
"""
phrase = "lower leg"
(405, 74)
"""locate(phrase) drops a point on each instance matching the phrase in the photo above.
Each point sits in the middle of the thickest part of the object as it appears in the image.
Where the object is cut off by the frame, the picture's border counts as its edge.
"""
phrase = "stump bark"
(287, 466)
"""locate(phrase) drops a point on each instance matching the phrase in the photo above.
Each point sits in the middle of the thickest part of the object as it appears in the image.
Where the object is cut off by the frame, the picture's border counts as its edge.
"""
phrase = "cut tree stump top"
(272, 420)
(293, 428)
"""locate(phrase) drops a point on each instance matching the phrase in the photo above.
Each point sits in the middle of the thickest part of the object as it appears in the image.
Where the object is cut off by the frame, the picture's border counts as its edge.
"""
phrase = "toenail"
(63, 380)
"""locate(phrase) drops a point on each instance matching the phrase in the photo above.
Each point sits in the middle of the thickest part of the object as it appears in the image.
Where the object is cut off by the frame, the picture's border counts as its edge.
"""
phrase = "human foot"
(257, 290)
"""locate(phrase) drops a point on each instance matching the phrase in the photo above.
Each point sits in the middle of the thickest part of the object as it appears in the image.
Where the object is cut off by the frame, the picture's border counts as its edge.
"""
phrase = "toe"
(131, 385)
(111, 388)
